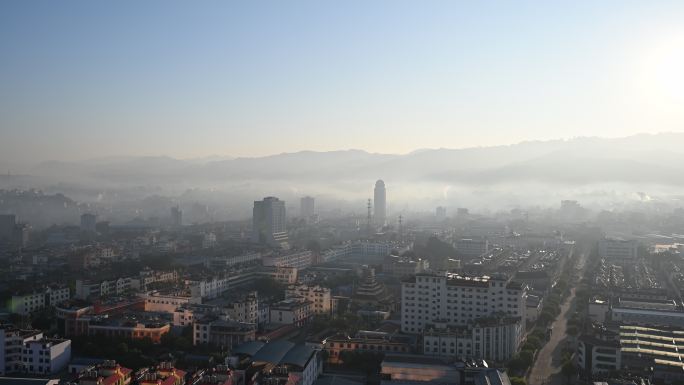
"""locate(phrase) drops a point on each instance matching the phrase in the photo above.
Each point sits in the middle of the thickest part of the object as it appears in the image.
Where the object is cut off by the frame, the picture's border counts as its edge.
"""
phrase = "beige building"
(320, 298)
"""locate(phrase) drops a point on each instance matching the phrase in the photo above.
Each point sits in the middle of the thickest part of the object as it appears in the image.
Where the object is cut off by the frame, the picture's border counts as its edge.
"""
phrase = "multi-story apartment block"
(217, 331)
(320, 298)
(46, 355)
(245, 309)
(148, 277)
(495, 338)
(27, 303)
(298, 259)
(295, 312)
(457, 300)
(283, 274)
(209, 288)
(12, 341)
(229, 261)
(89, 290)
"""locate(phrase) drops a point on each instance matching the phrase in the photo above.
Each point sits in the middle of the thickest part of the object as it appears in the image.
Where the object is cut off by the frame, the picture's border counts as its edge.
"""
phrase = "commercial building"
(456, 300)
(618, 250)
(364, 251)
(307, 208)
(275, 362)
(129, 326)
(269, 223)
(416, 370)
(472, 247)
(376, 342)
(88, 222)
(647, 313)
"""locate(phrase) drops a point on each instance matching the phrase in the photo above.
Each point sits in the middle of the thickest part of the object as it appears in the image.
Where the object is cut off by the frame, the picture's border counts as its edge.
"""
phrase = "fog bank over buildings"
(601, 173)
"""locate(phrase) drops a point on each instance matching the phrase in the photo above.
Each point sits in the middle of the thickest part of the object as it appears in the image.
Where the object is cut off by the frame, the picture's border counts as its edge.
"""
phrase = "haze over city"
(341, 193)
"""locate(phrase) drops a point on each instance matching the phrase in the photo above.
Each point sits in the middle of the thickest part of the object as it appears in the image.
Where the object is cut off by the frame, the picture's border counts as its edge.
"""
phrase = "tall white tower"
(380, 203)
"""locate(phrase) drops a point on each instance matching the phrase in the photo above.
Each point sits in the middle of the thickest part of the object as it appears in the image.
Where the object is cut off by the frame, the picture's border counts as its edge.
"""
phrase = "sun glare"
(663, 75)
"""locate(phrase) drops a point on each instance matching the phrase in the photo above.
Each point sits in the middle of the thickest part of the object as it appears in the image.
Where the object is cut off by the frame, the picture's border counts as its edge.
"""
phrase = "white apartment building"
(291, 312)
(148, 277)
(457, 300)
(87, 289)
(245, 310)
(364, 249)
(208, 288)
(12, 342)
(46, 355)
(298, 259)
(25, 304)
(494, 338)
(320, 297)
(229, 261)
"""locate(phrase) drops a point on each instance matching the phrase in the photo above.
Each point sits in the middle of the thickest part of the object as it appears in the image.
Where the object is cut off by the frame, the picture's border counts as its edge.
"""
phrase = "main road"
(547, 367)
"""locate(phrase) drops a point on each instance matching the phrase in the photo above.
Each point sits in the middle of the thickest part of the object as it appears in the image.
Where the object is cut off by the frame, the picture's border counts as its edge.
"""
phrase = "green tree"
(518, 381)
(569, 369)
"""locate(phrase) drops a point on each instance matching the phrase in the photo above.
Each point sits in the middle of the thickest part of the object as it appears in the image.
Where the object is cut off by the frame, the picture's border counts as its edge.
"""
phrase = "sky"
(84, 79)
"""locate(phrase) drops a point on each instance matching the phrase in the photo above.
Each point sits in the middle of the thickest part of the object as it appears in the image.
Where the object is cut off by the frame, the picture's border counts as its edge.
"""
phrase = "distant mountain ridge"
(643, 158)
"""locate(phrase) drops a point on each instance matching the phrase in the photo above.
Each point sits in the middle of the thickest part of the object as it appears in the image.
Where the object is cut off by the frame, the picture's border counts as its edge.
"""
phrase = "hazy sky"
(82, 79)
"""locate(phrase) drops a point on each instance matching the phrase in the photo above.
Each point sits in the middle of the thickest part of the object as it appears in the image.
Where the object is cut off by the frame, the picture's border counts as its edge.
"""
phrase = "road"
(547, 367)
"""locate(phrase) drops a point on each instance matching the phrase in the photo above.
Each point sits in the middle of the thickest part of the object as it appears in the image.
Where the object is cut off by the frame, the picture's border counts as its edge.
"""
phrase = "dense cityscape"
(308, 192)
(295, 297)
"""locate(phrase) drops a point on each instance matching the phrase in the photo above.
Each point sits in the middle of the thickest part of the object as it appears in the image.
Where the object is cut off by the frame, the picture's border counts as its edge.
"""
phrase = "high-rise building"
(440, 212)
(380, 203)
(307, 208)
(479, 317)
(428, 298)
(269, 222)
(176, 216)
(7, 224)
(88, 222)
